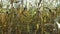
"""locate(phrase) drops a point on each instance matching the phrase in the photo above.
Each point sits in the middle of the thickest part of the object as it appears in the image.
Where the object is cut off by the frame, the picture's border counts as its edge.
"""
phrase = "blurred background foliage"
(29, 16)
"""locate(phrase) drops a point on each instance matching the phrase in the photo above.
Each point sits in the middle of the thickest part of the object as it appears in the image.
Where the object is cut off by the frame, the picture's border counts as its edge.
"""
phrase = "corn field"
(29, 16)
